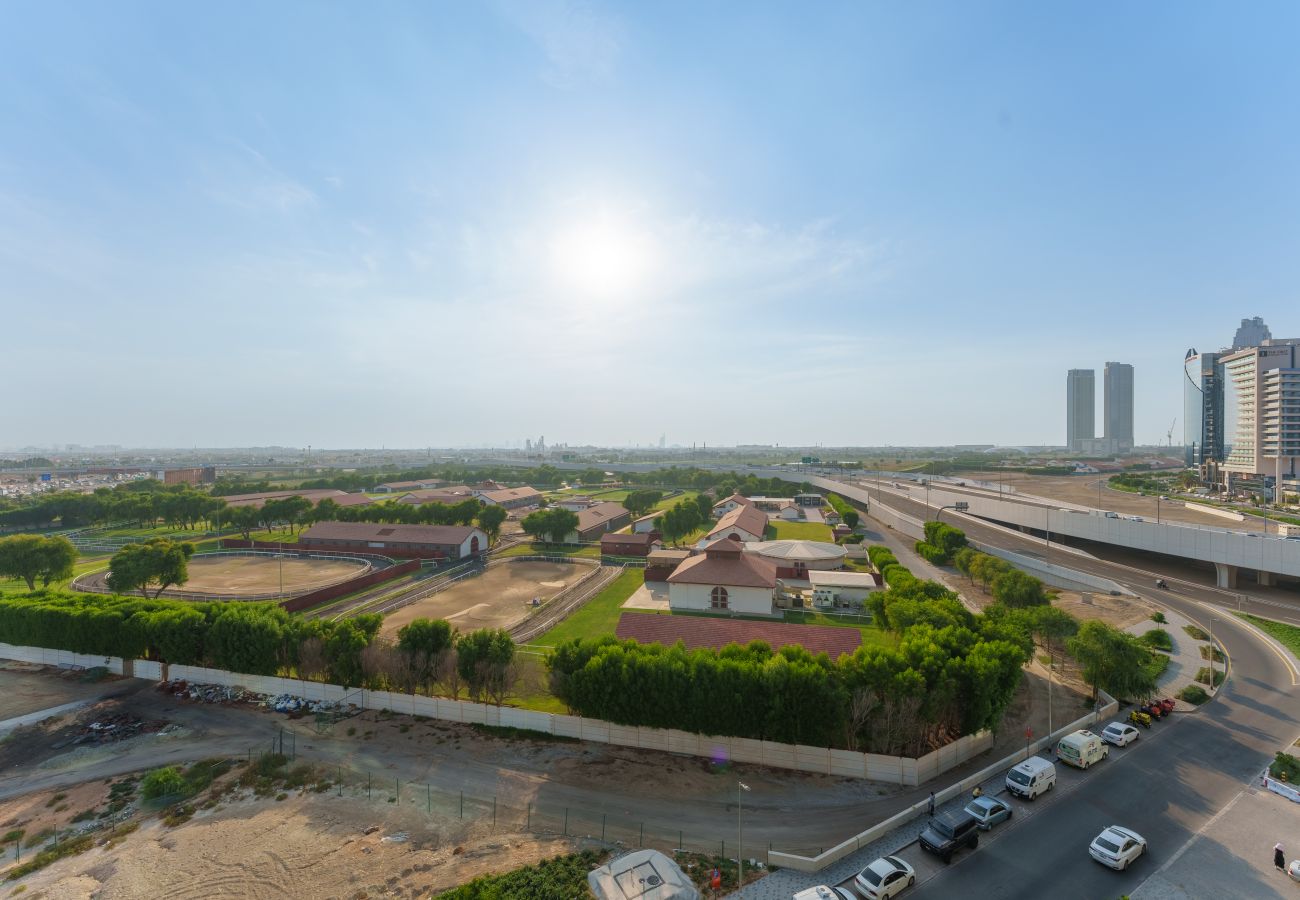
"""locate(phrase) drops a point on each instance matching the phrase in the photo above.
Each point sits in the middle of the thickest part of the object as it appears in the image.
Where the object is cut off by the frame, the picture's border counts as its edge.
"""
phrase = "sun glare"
(604, 259)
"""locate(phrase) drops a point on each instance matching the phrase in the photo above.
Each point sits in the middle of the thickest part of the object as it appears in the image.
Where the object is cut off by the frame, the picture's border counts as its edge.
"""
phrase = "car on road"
(947, 833)
(885, 878)
(822, 892)
(989, 811)
(1119, 734)
(1032, 777)
(1117, 847)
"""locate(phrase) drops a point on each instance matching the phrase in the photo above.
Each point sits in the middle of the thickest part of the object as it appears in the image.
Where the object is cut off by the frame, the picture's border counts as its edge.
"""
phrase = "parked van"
(1032, 777)
(1082, 749)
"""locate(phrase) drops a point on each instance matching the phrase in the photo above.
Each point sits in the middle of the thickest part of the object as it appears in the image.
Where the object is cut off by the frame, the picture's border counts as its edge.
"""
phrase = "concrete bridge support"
(1227, 575)
(1267, 579)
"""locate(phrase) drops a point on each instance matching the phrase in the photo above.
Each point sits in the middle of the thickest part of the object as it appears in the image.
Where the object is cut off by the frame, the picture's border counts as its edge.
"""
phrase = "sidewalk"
(1186, 659)
(1233, 855)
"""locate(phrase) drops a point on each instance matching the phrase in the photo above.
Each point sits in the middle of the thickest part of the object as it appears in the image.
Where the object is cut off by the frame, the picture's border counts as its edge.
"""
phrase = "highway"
(1166, 789)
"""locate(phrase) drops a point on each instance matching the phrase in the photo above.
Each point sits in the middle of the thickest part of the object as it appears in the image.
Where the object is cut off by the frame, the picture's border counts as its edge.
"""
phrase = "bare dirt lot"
(498, 598)
(240, 576)
(27, 688)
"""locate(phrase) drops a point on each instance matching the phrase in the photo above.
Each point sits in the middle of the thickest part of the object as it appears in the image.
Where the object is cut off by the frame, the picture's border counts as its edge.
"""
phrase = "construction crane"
(1170, 434)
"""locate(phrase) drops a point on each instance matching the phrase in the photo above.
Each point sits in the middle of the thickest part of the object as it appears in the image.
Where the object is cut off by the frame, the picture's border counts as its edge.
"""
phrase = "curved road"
(1166, 789)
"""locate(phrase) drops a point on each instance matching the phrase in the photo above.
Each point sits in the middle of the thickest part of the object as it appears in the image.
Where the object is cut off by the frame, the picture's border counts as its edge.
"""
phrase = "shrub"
(1286, 767)
(1193, 693)
(1209, 650)
(164, 782)
(1196, 634)
(1203, 676)
(559, 878)
(1158, 617)
(1158, 639)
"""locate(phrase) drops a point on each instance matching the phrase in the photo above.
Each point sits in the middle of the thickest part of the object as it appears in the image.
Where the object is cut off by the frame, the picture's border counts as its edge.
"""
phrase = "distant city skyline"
(412, 225)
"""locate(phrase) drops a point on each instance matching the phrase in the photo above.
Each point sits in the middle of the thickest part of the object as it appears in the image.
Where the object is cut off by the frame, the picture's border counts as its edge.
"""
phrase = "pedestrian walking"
(931, 802)
(1279, 858)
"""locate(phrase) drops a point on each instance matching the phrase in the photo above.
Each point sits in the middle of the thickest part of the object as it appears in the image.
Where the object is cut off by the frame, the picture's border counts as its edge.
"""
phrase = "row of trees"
(850, 516)
(141, 502)
(1008, 584)
(553, 525)
(298, 512)
(262, 639)
(35, 558)
(941, 543)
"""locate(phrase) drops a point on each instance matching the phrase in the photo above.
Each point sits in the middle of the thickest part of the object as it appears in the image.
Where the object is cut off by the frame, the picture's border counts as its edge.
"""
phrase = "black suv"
(949, 832)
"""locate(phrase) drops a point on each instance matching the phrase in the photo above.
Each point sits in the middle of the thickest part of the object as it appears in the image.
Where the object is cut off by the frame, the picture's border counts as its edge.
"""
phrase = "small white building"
(722, 507)
(841, 588)
(574, 504)
(646, 523)
(724, 579)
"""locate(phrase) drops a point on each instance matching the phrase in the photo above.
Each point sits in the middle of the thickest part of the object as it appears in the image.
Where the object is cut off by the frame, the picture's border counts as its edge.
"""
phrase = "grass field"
(533, 549)
(800, 531)
(1287, 635)
(872, 634)
(16, 587)
(599, 615)
(276, 535)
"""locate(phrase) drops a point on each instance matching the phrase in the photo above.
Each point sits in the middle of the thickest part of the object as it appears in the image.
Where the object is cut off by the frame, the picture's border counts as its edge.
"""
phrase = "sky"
(418, 224)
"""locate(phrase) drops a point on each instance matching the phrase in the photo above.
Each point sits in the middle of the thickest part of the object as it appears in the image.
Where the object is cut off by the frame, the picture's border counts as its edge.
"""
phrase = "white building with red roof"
(724, 579)
(722, 507)
(744, 523)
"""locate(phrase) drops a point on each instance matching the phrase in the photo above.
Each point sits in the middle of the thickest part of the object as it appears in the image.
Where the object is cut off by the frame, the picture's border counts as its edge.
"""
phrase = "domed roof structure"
(798, 551)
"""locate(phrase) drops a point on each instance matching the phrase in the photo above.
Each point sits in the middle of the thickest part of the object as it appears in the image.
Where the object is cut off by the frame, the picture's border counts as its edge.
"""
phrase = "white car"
(1117, 847)
(1120, 734)
(885, 878)
(822, 892)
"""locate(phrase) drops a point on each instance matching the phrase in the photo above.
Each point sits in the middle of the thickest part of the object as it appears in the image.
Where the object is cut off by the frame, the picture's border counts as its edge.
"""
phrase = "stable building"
(630, 544)
(647, 523)
(597, 520)
(744, 523)
(402, 541)
(724, 579)
(448, 496)
(722, 507)
(401, 487)
(510, 498)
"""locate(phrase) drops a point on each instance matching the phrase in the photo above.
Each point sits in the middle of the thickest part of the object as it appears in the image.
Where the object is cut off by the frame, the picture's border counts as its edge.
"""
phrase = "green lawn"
(284, 535)
(666, 502)
(599, 615)
(534, 549)
(16, 587)
(800, 531)
(872, 634)
(1287, 635)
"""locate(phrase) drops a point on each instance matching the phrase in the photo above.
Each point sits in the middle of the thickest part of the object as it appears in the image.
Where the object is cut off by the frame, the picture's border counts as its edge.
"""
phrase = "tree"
(552, 525)
(241, 518)
(640, 502)
(1112, 660)
(164, 782)
(1051, 627)
(423, 643)
(159, 561)
(490, 519)
(484, 661)
(1017, 589)
(32, 557)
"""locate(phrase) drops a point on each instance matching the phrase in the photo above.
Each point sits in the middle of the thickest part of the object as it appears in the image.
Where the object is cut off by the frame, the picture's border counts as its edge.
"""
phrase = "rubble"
(116, 727)
(285, 703)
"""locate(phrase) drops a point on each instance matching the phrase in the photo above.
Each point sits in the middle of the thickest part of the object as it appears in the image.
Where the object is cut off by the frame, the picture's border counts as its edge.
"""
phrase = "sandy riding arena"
(498, 598)
(255, 576)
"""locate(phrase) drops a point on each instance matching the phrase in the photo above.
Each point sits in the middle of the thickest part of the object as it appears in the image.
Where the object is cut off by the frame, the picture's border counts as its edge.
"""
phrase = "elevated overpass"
(1230, 551)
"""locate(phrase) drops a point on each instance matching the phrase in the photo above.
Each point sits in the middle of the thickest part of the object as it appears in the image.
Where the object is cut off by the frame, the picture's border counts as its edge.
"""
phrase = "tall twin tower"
(1117, 411)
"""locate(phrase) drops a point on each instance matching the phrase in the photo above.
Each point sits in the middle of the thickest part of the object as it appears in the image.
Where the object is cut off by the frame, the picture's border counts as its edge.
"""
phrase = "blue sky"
(419, 224)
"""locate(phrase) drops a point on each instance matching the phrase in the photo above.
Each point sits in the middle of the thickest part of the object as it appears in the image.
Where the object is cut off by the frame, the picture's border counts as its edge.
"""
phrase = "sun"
(603, 258)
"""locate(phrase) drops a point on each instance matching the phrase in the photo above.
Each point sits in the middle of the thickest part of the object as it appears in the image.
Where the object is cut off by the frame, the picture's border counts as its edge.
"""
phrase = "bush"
(559, 878)
(1286, 767)
(164, 782)
(1158, 639)
(1159, 617)
(1196, 634)
(1193, 693)
(931, 553)
(1203, 675)
(1208, 650)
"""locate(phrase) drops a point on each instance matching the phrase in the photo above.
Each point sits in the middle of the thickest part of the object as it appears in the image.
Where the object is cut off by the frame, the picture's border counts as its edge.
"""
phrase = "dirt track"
(499, 598)
(240, 576)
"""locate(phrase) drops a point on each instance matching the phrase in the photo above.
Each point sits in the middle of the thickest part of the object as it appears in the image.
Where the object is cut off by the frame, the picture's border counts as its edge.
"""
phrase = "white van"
(1082, 749)
(1032, 777)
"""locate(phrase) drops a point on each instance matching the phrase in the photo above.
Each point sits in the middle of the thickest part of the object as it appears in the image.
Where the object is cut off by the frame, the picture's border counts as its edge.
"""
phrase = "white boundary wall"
(880, 829)
(823, 760)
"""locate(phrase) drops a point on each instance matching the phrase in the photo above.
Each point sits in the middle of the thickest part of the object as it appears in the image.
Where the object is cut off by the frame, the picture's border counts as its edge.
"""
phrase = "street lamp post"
(960, 506)
(927, 499)
(1213, 647)
(741, 787)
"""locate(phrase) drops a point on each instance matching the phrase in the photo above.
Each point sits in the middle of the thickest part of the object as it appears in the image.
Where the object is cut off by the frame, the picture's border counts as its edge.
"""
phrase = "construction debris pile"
(285, 703)
(116, 727)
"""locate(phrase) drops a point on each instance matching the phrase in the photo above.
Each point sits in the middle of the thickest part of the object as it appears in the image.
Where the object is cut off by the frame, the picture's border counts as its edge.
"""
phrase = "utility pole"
(740, 833)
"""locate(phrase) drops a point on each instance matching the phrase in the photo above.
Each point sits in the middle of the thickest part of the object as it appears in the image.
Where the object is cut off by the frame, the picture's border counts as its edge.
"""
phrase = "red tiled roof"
(645, 537)
(722, 568)
(734, 498)
(746, 518)
(706, 631)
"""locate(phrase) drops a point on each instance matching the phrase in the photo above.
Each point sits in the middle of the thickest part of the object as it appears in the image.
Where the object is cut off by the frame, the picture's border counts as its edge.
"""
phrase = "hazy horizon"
(845, 225)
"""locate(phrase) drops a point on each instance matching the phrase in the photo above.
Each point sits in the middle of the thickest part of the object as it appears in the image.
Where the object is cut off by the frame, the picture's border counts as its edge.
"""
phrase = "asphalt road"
(1166, 790)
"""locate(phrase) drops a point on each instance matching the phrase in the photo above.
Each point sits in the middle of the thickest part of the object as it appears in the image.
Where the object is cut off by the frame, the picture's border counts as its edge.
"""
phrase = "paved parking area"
(1233, 854)
(902, 842)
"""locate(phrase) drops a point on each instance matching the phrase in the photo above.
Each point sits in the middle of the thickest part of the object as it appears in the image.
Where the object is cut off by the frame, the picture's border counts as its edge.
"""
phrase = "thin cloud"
(580, 44)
